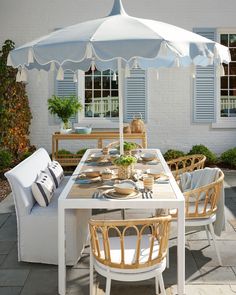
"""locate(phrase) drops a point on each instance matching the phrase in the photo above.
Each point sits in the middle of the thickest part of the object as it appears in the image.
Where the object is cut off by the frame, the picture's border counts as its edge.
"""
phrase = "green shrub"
(81, 152)
(211, 157)
(125, 160)
(5, 159)
(64, 152)
(173, 154)
(229, 157)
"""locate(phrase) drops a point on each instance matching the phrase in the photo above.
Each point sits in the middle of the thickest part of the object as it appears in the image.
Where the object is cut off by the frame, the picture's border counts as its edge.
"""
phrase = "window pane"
(115, 94)
(106, 82)
(97, 82)
(97, 73)
(224, 39)
(226, 67)
(232, 82)
(88, 108)
(89, 72)
(88, 96)
(88, 82)
(97, 94)
(224, 82)
(114, 84)
(233, 54)
(97, 108)
(115, 110)
(224, 93)
(106, 73)
(232, 40)
(106, 93)
(232, 68)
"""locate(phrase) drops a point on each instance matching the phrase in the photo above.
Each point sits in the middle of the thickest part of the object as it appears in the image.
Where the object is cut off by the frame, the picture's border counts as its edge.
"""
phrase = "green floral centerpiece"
(125, 165)
(64, 108)
(129, 147)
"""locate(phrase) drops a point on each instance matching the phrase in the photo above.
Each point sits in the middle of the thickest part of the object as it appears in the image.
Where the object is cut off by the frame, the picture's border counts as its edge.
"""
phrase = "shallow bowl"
(91, 173)
(148, 157)
(83, 130)
(124, 188)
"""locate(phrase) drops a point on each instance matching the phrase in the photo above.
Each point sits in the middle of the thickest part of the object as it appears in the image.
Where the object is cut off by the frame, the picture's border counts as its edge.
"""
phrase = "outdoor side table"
(73, 160)
(168, 196)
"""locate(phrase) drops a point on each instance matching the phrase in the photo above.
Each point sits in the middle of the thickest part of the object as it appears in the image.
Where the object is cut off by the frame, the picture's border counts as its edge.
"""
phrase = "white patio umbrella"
(117, 42)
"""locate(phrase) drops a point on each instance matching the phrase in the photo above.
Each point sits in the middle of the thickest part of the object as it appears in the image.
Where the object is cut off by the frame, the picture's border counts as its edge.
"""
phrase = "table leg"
(61, 250)
(144, 141)
(56, 149)
(100, 143)
(53, 148)
(181, 249)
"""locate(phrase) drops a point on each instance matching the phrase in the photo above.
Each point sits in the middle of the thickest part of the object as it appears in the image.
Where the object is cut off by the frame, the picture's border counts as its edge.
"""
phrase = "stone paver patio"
(203, 275)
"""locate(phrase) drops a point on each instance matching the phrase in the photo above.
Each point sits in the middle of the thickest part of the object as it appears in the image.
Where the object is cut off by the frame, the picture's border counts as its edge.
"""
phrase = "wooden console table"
(73, 160)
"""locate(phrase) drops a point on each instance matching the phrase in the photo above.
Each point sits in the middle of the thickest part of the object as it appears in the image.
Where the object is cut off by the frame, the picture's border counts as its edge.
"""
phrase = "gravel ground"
(4, 189)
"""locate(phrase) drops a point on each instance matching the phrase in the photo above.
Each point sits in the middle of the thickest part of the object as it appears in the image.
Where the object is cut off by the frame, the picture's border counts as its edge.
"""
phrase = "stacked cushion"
(43, 189)
(55, 170)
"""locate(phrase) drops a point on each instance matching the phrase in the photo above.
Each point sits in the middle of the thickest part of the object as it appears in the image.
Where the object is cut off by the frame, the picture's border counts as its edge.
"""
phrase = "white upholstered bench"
(37, 226)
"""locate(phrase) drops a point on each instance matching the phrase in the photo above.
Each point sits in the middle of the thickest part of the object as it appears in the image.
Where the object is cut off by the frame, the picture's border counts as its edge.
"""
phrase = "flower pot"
(66, 128)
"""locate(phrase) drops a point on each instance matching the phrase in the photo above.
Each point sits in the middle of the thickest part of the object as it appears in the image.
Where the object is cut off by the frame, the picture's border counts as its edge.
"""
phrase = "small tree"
(15, 115)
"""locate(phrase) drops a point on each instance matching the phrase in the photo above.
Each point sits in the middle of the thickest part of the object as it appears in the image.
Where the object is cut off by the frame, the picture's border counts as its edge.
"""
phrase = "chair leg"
(168, 257)
(157, 285)
(91, 273)
(108, 285)
(207, 234)
(214, 242)
(163, 291)
(123, 214)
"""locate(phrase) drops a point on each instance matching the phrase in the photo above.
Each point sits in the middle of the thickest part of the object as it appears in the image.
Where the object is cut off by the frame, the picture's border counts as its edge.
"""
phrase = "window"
(228, 82)
(101, 95)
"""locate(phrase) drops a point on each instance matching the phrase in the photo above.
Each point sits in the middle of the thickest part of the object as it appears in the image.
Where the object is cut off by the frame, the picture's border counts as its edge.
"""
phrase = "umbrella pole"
(120, 84)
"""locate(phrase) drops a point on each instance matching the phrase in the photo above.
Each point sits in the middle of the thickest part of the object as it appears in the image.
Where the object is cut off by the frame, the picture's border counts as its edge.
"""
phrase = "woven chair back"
(156, 229)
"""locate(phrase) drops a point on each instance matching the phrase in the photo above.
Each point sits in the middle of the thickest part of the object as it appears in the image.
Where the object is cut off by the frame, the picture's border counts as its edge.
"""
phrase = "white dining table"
(168, 196)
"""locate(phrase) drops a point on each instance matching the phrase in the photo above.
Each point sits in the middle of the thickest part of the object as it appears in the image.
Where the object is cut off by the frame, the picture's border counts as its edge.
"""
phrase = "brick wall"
(170, 98)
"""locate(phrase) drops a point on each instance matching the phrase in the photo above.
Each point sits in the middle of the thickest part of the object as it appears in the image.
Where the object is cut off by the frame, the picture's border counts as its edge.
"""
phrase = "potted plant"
(125, 164)
(64, 108)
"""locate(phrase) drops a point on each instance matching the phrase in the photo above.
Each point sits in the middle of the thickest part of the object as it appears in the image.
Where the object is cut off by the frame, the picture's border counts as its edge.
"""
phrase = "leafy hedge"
(211, 157)
(15, 115)
(173, 154)
(229, 157)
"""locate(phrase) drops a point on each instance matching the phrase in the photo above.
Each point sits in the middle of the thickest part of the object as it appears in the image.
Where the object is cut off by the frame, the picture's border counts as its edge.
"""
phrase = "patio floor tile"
(11, 261)
(3, 218)
(8, 229)
(10, 290)
(41, 282)
(218, 275)
(78, 281)
(13, 277)
(6, 246)
(205, 255)
(207, 290)
(131, 289)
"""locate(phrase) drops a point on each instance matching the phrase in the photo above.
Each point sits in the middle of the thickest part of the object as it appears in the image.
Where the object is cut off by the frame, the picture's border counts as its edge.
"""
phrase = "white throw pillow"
(43, 189)
(56, 172)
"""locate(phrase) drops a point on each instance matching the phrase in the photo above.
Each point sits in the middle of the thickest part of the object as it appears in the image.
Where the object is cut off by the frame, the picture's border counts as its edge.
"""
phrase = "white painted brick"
(169, 122)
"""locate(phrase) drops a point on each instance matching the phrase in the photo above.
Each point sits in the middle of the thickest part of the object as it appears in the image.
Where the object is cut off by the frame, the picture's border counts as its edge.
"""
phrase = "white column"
(120, 84)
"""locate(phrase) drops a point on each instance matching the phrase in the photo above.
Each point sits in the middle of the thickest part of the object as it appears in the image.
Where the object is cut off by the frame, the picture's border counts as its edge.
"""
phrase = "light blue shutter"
(204, 97)
(135, 95)
(67, 88)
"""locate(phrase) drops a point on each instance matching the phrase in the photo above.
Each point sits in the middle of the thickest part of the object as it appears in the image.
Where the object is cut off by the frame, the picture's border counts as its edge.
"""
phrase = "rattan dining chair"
(186, 164)
(129, 250)
(201, 206)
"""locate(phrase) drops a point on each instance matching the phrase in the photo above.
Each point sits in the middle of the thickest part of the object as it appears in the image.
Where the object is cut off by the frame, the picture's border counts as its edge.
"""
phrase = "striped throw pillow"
(56, 172)
(43, 189)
